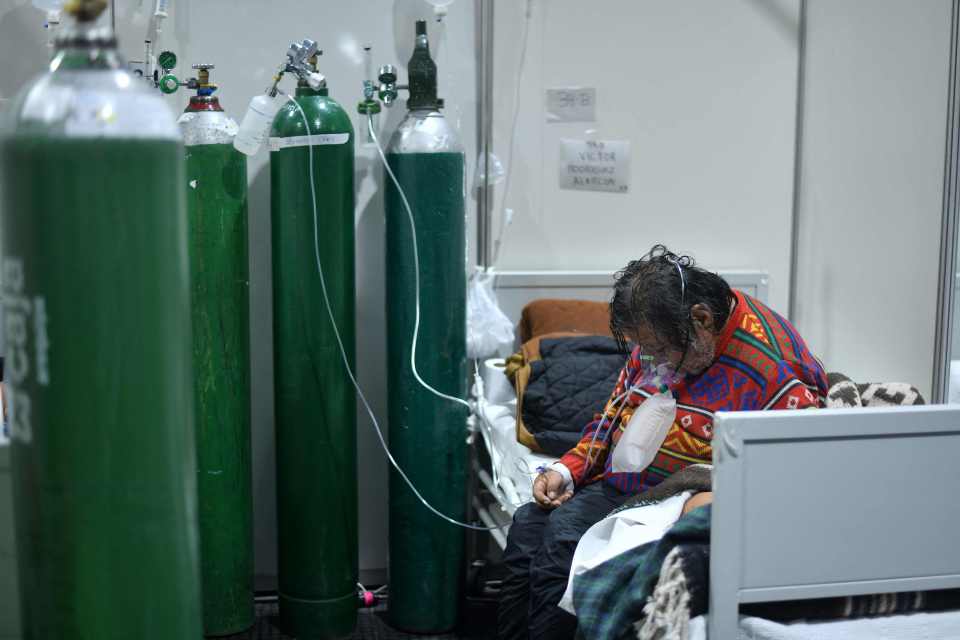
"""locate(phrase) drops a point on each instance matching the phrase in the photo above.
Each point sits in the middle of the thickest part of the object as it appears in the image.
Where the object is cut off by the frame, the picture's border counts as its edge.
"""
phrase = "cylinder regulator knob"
(167, 60)
(388, 84)
(169, 83)
(300, 52)
(203, 77)
(368, 106)
(388, 74)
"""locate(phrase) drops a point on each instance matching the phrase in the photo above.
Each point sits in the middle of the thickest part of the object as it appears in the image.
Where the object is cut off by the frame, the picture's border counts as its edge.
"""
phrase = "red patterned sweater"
(761, 363)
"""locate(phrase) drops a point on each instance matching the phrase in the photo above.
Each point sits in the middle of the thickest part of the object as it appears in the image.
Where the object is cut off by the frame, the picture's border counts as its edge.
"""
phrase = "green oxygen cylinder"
(9, 595)
(427, 433)
(216, 187)
(315, 403)
(97, 332)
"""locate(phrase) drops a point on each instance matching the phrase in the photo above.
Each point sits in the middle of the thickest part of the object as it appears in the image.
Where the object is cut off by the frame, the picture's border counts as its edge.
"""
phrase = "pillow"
(550, 315)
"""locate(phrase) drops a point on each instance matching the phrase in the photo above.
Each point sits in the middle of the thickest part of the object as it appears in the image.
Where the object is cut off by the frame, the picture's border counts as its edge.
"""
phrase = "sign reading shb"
(576, 104)
(595, 165)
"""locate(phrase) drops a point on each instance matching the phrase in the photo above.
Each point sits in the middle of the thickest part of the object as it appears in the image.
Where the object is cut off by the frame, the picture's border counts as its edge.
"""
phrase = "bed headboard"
(833, 502)
(516, 288)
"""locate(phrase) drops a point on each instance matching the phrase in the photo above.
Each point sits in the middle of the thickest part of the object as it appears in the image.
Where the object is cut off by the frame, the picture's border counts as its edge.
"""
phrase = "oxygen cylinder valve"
(85, 10)
(422, 73)
(202, 83)
(168, 83)
(302, 62)
(369, 106)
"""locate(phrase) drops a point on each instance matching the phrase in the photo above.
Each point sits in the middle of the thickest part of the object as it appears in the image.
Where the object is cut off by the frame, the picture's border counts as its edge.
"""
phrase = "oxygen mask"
(657, 371)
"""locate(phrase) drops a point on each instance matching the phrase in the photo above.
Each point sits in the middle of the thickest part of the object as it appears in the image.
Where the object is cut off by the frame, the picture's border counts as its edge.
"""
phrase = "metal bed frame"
(834, 502)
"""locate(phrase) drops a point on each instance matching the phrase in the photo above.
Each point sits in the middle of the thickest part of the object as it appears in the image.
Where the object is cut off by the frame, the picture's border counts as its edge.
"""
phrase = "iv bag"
(488, 328)
(440, 7)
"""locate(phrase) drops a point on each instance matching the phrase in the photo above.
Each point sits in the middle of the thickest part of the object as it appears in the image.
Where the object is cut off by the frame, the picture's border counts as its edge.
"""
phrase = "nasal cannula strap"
(336, 330)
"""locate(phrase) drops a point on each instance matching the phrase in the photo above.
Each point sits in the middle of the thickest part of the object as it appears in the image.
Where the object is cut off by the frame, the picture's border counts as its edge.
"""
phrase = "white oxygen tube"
(336, 329)
(416, 274)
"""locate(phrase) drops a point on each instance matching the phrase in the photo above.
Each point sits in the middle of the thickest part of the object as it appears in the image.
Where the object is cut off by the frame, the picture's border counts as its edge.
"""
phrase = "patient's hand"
(701, 499)
(548, 489)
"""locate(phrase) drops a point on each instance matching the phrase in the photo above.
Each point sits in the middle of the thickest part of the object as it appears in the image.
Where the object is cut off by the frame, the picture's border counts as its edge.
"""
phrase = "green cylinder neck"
(309, 91)
(86, 46)
(77, 59)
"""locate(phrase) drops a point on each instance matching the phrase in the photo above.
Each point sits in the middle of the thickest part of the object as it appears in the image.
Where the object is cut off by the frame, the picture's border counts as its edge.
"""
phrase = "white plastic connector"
(316, 80)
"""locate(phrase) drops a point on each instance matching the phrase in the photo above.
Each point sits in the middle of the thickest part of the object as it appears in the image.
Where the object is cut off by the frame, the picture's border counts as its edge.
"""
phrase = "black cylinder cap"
(422, 72)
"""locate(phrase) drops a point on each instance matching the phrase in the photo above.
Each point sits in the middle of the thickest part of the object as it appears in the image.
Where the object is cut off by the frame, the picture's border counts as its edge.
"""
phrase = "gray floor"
(370, 626)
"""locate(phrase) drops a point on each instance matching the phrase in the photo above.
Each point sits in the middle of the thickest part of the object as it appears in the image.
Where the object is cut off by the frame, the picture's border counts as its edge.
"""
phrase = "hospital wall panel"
(705, 94)
(871, 185)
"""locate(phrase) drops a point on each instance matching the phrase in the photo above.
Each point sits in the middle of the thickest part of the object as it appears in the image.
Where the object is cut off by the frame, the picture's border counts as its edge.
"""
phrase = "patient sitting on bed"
(713, 349)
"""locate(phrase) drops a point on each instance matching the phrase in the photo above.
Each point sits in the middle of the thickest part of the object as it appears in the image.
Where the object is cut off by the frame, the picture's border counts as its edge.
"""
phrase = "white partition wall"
(704, 93)
(871, 187)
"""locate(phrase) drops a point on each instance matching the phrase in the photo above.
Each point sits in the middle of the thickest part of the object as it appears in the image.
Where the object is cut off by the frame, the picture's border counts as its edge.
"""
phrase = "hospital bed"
(871, 452)
(835, 502)
(503, 469)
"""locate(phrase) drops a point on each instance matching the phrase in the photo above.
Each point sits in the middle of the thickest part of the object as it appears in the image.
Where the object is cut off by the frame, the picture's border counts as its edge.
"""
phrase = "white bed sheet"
(514, 465)
(913, 626)
(619, 533)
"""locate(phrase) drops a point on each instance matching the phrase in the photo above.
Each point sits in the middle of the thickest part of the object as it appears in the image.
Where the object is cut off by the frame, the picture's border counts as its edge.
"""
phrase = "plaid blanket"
(651, 592)
(611, 597)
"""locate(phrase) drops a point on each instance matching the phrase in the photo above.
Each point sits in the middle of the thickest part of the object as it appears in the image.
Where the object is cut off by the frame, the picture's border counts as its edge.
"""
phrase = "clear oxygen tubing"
(622, 399)
(505, 220)
(658, 376)
(343, 352)
(416, 273)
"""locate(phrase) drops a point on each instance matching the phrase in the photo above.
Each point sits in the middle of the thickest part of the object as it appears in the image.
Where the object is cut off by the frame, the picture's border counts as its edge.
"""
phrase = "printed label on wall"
(316, 139)
(572, 104)
(595, 165)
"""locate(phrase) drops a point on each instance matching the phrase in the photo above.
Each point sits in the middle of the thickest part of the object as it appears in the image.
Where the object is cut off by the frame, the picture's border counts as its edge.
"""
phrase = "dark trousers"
(539, 552)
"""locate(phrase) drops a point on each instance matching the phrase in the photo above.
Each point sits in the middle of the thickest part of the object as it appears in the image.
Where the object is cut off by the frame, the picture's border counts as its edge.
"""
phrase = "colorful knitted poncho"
(761, 363)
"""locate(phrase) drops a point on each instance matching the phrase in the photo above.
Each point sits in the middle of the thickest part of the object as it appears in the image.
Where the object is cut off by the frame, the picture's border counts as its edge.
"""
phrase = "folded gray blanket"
(695, 478)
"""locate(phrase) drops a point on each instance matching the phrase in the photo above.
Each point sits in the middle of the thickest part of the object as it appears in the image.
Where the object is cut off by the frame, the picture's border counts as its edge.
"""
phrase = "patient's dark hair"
(648, 292)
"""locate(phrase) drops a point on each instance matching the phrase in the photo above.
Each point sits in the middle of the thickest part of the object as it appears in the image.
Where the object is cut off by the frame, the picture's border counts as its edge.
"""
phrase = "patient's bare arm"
(698, 500)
